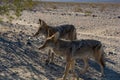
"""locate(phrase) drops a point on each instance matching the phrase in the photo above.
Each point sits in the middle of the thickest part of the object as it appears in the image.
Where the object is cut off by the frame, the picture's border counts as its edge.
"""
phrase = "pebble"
(119, 17)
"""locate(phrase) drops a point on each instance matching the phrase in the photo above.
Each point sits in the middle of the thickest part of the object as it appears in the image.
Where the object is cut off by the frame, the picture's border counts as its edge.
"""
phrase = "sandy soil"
(21, 60)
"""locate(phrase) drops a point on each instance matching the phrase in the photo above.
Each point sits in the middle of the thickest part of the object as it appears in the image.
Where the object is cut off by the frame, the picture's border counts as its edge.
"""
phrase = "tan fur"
(72, 50)
(65, 32)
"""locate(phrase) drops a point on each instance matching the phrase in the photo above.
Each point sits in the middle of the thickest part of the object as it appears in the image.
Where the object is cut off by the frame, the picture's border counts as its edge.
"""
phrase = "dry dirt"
(20, 58)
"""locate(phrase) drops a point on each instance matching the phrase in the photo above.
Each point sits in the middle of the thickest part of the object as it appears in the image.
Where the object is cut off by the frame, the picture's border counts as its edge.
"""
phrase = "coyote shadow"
(17, 54)
(110, 74)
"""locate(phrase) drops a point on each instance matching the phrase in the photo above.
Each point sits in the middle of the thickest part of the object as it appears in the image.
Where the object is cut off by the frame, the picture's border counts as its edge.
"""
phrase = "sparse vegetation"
(87, 13)
(15, 5)
(78, 9)
(11, 18)
(20, 58)
(49, 6)
(53, 6)
(93, 5)
(0, 19)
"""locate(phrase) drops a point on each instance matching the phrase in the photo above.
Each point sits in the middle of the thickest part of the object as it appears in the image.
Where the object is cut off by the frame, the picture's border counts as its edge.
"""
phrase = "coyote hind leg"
(100, 61)
(72, 68)
(85, 60)
(67, 68)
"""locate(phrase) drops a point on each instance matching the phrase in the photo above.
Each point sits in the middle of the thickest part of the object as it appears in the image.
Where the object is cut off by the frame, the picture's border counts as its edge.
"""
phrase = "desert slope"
(19, 54)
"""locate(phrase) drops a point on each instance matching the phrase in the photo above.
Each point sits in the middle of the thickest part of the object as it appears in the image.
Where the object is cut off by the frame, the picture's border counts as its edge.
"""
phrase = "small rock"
(112, 53)
(30, 25)
(76, 14)
(69, 14)
(29, 43)
(34, 10)
(11, 24)
(29, 37)
(20, 19)
(7, 21)
(63, 14)
(14, 30)
(119, 17)
(94, 15)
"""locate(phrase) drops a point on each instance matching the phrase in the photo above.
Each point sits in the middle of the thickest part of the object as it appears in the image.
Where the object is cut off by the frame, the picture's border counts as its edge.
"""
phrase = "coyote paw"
(52, 63)
(47, 62)
(103, 75)
(82, 72)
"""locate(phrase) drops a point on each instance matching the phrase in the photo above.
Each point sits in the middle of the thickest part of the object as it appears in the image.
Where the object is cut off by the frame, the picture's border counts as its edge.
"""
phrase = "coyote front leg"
(68, 64)
(50, 57)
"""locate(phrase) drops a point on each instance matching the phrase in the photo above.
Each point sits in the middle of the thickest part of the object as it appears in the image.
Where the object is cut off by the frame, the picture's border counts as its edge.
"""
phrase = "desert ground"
(20, 58)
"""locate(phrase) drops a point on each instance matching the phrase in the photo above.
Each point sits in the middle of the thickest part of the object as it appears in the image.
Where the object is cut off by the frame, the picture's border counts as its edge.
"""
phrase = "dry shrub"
(93, 5)
(78, 9)
(53, 6)
(88, 13)
(103, 7)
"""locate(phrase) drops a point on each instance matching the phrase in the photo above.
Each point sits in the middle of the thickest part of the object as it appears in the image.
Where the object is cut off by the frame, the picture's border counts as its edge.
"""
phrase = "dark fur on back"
(64, 30)
(94, 44)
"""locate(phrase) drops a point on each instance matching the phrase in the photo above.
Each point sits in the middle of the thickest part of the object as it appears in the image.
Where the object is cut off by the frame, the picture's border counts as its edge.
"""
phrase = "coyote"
(65, 31)
(74, 49)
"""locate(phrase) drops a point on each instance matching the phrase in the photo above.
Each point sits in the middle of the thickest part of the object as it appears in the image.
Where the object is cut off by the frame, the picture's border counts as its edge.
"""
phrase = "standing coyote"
(71, 50)
(65, 31)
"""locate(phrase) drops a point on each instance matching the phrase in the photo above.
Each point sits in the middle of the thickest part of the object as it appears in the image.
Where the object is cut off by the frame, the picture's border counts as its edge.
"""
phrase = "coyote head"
(51, 41)
(42, 28)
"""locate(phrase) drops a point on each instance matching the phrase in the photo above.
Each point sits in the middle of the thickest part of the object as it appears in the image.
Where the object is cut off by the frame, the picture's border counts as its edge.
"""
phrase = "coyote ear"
(56, 36)
(42, 22)
(39, 19)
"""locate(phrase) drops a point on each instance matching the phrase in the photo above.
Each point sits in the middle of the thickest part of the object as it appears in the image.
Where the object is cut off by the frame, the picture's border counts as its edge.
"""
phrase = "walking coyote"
(71, 50)
(65, 31)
